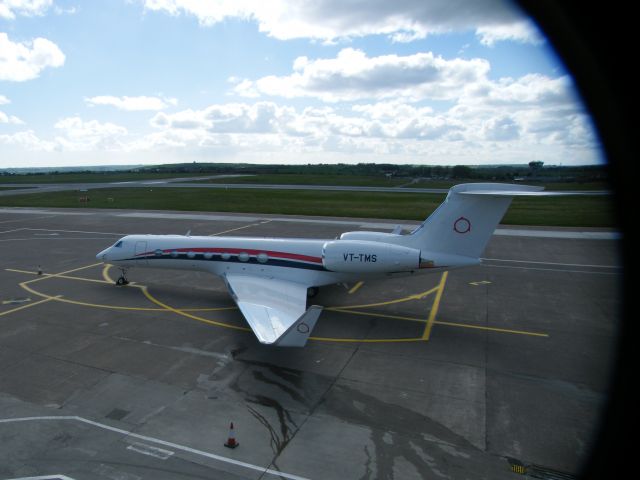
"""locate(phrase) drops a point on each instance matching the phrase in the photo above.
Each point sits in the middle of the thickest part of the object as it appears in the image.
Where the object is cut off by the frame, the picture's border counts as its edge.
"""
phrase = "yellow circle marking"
(350, 309)
(189, 315)
(343, 309)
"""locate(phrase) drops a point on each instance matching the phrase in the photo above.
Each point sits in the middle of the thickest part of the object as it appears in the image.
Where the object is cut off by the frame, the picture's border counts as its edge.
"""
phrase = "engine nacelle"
(359, 256)
(370, 236)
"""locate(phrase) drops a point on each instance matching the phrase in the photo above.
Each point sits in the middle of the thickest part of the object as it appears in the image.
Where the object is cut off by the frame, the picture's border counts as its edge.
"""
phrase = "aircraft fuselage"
(304, 260)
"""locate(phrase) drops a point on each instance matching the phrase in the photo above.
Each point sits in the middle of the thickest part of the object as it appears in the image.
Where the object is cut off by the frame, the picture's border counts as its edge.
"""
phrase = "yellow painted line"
(366, 340)
(85, 304)
(82, 279)
(372, 314)
(491, 329)
(105, 273)
(323, 339)
(62, 273)
(108, 279)
(208, 309)
(188, 315)
(23, 271)
(115, 307)
(355, 288)
(57, 275)
(185, 312)
(98, 305)
(28, 306)
(438, 322)
(435, 306)
(417, 296)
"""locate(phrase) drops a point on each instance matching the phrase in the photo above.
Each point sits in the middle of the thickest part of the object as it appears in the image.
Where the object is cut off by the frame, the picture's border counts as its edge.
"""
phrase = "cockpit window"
(118, 244)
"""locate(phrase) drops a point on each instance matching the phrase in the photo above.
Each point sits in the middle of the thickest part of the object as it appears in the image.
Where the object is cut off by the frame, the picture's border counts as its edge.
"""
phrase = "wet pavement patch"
(117, 414)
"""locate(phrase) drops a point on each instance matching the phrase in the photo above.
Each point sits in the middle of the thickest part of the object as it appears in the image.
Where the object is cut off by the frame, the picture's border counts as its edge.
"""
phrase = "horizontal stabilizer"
(517, 193)
(495, 189)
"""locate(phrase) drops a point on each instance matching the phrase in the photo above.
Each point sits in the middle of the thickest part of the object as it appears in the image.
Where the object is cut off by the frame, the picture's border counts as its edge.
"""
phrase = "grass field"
(565, 186)
(276, 179)
(377, 181)
(571, 211)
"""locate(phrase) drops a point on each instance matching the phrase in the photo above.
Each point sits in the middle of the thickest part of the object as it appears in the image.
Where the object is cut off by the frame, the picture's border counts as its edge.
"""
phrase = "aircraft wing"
(276, 310)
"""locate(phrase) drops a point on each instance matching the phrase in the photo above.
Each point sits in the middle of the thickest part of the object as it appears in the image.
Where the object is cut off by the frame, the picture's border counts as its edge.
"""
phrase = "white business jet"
(271, 278)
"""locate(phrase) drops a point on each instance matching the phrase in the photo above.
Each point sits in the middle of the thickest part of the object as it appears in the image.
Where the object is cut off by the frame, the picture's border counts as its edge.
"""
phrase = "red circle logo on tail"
(462, 225)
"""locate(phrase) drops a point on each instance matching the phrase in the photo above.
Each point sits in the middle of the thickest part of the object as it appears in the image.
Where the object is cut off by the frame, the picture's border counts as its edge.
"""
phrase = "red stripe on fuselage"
(270, 253)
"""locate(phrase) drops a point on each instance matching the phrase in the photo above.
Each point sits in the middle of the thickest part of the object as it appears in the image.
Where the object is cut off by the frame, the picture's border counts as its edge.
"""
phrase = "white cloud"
(79, 134)
(501, 129)
(532, 89)
(523, 32)
(403, 126)
(28, 140)
(259, 118)
(511, 120)
(58, 10)
(9, 9)
(140, 103)
(10, 119)
(352, 75)
(25, 61)
(332, 20)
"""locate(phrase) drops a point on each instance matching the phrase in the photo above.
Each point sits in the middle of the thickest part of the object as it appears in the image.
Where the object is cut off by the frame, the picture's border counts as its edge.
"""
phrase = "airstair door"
(140, 250)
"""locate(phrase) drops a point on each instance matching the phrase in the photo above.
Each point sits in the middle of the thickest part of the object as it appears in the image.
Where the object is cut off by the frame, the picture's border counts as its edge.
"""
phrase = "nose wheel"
(122, 279)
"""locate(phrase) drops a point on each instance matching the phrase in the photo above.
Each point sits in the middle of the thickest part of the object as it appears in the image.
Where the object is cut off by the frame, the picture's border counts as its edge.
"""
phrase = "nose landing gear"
(122, 279)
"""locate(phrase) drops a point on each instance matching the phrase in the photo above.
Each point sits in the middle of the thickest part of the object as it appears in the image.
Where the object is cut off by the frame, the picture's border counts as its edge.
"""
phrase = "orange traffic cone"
(231, 441)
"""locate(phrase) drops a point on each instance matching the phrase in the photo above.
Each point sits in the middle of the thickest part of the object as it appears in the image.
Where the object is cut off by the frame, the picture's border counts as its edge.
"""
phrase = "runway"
(27, 189)
(496, 371)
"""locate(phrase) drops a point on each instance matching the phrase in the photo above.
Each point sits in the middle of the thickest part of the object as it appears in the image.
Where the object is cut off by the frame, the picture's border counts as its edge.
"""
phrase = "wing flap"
(275, 309)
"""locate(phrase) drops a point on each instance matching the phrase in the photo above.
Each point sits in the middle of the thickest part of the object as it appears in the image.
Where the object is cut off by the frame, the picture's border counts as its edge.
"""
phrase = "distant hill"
(99, 168)
(534, 171)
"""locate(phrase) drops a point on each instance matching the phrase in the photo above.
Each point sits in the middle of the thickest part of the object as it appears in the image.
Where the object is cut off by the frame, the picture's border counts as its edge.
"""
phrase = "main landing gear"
(122, 279)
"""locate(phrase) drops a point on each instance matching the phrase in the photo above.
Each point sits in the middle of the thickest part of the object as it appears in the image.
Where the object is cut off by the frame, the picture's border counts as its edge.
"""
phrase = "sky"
(429, 82)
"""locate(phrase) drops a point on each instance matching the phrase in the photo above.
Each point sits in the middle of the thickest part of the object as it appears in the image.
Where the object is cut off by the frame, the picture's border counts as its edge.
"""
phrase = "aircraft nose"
(102, 255)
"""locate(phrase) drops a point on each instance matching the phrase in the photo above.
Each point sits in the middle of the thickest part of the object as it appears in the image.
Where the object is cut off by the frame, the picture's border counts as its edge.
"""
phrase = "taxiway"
(493, 372)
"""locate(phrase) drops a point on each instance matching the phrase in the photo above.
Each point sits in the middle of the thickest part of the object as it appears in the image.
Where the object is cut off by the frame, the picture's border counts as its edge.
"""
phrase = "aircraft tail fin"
(463, 224)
